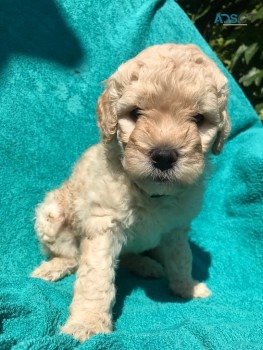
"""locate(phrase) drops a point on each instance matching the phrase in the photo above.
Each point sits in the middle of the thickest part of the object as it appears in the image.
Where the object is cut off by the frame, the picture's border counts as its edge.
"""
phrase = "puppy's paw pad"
(49, 220)
(53, 213)
(46, 272)
(190, 290)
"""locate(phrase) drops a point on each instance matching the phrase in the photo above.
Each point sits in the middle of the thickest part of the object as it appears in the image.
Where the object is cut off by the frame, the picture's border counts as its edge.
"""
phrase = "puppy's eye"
(198, 119)
(135, 113)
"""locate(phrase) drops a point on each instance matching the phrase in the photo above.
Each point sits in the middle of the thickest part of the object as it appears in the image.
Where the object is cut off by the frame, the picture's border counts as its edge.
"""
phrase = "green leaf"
(258, 80)
(251, 76)
(242, 48)
(259, 109)
(250, 52)
(195, 17)
(230, 41)
(259, 15)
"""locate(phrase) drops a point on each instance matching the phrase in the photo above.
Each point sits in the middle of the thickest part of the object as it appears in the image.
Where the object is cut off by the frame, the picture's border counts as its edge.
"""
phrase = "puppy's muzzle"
(163, 159)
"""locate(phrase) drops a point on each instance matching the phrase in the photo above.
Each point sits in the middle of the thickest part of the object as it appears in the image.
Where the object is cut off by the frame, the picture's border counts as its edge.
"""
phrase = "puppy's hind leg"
(57, 239)
(142, 265)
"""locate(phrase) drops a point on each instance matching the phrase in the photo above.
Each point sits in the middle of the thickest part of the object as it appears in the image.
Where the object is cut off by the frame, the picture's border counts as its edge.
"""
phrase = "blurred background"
(240, 48)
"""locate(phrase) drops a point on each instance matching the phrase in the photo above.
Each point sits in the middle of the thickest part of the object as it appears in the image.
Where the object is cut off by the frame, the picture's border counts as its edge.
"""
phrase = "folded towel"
(53, 56)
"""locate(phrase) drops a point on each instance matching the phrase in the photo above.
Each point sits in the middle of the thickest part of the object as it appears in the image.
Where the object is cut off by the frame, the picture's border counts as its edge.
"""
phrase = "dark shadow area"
(157, 289)
(36, 28)
(201, 262)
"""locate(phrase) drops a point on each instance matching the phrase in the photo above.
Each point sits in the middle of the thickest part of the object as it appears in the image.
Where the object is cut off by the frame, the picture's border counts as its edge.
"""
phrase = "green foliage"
(239, 47)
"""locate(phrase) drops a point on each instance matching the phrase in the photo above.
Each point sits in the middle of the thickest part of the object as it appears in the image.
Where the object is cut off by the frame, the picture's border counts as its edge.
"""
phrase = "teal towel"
(53, 56)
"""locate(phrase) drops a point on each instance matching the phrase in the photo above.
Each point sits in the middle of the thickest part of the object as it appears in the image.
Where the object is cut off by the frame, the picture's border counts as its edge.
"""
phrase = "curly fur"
(116, 204)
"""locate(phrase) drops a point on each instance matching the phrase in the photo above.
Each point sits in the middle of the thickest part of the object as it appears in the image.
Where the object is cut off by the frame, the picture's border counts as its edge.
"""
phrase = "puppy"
(162, 113)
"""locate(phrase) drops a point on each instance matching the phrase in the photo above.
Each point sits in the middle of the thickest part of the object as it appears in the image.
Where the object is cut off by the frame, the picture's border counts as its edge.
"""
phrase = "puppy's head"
(167, 110)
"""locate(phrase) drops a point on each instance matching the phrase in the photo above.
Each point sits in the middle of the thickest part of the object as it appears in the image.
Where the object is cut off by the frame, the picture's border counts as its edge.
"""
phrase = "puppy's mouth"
(163, 177)
(161, 180)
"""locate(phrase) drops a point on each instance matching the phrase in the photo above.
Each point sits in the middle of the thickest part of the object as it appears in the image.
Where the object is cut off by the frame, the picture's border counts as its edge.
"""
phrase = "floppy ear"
(224, 125)
(106, 106)
(220, 82)
(107, 118)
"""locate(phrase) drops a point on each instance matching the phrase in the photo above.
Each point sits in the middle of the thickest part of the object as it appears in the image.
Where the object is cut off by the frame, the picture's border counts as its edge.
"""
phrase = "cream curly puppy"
(160, 116)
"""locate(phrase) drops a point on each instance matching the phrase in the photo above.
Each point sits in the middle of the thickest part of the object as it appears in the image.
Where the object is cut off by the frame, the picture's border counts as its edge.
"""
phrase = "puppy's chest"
(149, 222)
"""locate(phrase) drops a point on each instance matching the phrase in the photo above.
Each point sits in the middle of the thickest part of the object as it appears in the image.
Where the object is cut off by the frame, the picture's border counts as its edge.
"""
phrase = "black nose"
(163, 159)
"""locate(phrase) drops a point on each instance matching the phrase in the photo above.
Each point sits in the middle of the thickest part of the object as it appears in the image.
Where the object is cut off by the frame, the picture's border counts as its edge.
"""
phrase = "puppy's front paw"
(78, 330)
(189, 290)
(84, 330)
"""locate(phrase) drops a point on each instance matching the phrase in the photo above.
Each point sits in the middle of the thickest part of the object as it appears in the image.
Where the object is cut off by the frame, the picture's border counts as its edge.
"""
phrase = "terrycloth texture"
(53, 56)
